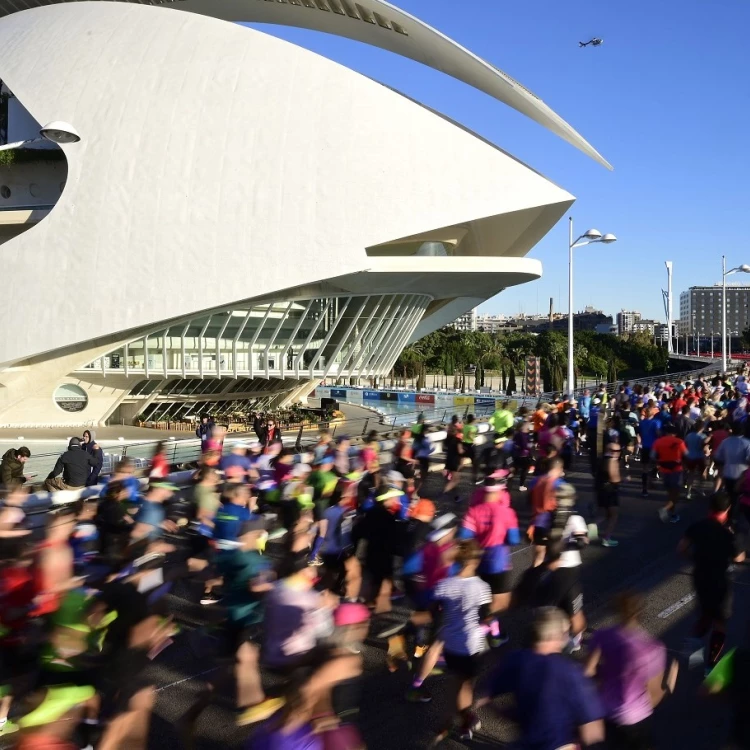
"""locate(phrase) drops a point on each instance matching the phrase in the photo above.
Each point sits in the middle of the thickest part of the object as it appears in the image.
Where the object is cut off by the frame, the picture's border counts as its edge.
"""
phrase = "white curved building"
(242, 218)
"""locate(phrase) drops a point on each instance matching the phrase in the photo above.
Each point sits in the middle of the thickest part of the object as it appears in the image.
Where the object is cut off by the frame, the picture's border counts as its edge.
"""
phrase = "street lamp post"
(588, 238)
(744, 268)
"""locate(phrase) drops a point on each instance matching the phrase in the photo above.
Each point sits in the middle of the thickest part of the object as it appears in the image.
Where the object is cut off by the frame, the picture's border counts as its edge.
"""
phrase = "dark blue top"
(649, 429)
(553, 698)
(232, 459)
(229, 518)
(152, 514)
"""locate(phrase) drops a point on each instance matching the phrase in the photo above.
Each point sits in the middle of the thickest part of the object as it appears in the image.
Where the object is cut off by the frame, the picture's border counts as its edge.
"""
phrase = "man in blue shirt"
(151, 520)
(231, 514)
(236, 463)
(556, 705)
(649, 430)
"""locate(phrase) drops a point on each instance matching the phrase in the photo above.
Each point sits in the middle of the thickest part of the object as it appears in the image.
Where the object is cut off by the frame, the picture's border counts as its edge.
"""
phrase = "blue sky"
(665, 99)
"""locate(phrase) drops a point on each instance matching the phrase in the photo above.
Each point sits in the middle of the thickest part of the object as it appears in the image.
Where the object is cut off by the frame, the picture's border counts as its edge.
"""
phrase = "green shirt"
(470, 433)
(239, 568)
(501, 421)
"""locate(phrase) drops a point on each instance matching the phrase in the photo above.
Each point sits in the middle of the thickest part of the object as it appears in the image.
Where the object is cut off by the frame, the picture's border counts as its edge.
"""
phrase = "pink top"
(434, 567)
(490, 521)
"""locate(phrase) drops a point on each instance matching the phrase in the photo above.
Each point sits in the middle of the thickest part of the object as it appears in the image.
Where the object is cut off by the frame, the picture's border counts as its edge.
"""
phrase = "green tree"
(552, 347)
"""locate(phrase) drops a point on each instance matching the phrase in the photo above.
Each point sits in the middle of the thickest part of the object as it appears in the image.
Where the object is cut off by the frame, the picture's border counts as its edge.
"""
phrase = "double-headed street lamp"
(55, 132)
(744, 268)
(588, 238)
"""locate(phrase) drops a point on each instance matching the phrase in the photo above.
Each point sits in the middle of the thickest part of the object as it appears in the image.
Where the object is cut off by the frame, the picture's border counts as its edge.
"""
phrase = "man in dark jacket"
(75, 466)
(11, 468)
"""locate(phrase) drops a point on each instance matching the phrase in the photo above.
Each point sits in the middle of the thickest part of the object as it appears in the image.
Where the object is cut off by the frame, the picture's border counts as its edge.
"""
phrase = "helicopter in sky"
(595, 42)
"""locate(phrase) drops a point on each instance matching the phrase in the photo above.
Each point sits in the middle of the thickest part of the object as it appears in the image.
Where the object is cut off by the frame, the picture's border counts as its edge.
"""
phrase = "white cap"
(442, 526)
(300, 470)
(394, 476)
(596, 401)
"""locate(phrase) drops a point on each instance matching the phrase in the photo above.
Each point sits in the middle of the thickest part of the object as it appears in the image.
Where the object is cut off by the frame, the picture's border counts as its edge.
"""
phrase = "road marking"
(186, 679)
(679, 604)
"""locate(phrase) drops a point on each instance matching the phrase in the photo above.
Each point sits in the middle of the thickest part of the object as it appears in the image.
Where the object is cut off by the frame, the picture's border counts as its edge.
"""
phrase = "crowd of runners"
(302, 557)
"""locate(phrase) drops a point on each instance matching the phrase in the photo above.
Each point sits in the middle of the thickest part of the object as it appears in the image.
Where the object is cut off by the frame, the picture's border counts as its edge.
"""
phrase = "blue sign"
(410, 397)
(374, 395)
(484, 401)
(338, 392)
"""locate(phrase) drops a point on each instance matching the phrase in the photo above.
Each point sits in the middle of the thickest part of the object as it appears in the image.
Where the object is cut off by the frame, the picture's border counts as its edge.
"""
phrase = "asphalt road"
(646, 560)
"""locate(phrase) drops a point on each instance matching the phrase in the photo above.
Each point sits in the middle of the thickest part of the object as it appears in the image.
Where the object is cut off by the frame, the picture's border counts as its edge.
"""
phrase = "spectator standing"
(204, 430)
(271, 434)
(91, 447)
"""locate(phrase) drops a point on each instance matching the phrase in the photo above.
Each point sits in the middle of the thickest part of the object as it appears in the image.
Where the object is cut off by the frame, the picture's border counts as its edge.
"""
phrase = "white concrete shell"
(221, 169)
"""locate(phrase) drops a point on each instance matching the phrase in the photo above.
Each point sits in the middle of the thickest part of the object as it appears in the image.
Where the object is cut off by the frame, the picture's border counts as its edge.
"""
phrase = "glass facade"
(347, 336)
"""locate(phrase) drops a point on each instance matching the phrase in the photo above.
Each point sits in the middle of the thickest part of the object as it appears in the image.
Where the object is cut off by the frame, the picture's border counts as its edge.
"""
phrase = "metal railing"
(187, 450)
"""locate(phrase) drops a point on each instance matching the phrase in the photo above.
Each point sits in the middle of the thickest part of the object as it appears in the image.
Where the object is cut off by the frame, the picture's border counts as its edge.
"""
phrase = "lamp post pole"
(571, 373)
(723, 313)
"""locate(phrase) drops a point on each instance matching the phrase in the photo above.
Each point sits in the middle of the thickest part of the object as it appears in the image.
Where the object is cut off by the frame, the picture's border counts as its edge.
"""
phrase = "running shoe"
(644, 493)
(470, 726)
(606, 542)
(418, 695)
(260, 711)
(316, 562)
(496, 641)
(663, 515)
(674, 518)
(523, 488)
(7, 727)
(210, 598)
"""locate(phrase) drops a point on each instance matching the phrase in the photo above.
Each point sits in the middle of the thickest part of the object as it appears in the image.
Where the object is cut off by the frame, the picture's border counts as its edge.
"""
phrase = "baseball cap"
(442, 526)
(164, 486)
(394, 476)
(325, 459)
(350, 613)
(423, 507)
(597, 401)
(300, 470)
(500, 475)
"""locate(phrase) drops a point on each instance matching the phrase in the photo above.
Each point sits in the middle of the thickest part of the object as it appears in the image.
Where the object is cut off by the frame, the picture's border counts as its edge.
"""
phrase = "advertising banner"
(407, 397)
(425, 398)
(354, 394)
(338, 393)
(322, 393)
(463, 400)
(484, 401)
(371, 395)
(387, 396)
